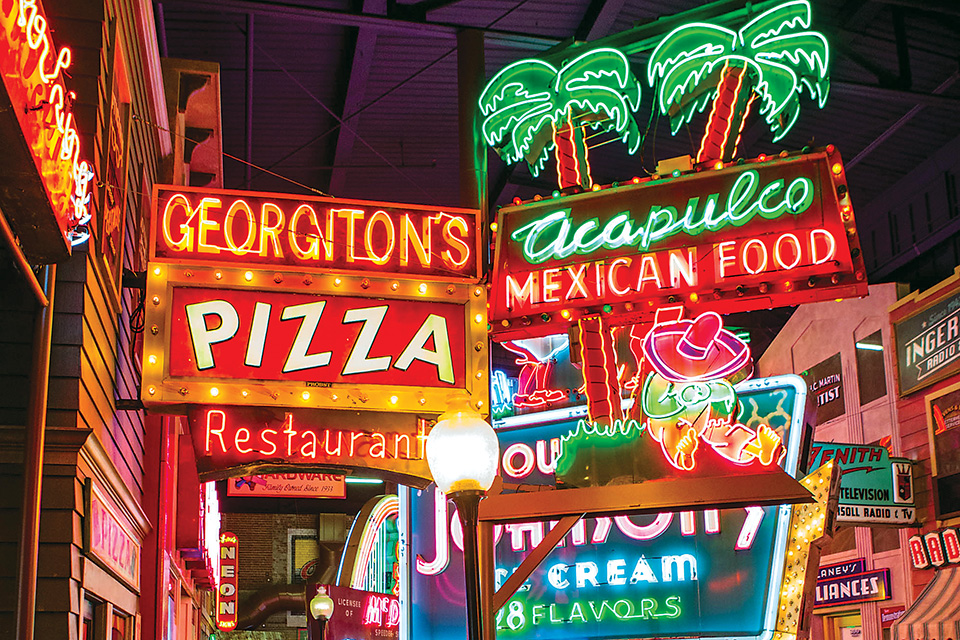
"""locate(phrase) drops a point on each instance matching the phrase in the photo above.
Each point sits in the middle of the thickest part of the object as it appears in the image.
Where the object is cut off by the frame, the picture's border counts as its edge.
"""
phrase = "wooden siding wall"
(912, 410)
(92, 362)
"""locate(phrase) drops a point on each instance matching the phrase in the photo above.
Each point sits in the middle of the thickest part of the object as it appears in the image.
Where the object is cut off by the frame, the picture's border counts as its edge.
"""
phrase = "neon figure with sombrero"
(687, 396)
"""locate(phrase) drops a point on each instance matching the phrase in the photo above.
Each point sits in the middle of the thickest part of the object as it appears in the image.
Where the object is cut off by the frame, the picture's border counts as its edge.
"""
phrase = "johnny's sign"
(770, 233)
(244, 441)
(304, 338)
(662, 575)
(209, 226)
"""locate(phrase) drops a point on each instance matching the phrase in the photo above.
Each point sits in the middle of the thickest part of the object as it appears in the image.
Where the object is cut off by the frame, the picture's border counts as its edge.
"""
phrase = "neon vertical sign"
(227, 595)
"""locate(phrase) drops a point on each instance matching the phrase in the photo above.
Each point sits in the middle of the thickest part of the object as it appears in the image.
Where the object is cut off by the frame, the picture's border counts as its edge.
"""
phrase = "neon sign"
(773, 59)
(33, 72)
(227, 590)
(234, 441)
(686, 405)
(761, 234)
(553, 237)
(663, 575)
(340, 341)
(270, 229)
(277, 336)
(531, 108)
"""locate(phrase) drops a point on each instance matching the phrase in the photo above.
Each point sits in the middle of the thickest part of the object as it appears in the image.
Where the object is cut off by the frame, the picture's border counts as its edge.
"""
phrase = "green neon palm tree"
(772, 58)
(531, 108)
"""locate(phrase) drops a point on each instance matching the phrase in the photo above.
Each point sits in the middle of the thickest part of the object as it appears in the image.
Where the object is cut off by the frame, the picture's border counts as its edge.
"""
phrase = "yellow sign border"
(173, 394)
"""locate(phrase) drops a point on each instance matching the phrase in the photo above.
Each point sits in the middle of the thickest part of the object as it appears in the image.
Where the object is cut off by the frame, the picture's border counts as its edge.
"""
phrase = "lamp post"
(463, 452)
(321, 608)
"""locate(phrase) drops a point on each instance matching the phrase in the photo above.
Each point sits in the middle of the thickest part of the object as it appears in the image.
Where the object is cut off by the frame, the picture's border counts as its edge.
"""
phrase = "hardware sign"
(288, 485)
(241, 228)
(928, 345)
(874, 487)
(769, 233)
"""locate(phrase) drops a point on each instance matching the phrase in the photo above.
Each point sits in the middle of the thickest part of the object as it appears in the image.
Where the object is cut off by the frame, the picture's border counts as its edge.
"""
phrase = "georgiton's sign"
(874, 487)
(663, 575)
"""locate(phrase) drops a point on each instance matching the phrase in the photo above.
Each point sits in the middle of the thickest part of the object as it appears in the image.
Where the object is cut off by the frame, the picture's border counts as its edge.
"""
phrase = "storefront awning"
(936, 613)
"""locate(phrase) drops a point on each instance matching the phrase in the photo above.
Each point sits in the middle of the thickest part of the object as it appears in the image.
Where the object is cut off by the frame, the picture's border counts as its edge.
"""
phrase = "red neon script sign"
(321, 339)
(231, 441)
(227, 591)
(762, 234)
(258, 229)
(32, 70)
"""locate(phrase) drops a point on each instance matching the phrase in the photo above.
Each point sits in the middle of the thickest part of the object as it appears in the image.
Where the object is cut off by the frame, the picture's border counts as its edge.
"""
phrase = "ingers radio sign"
(756, 235)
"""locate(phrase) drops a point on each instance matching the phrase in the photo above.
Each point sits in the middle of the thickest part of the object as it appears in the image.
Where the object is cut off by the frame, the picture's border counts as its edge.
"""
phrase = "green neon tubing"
(525, 100)
(783, 58)
(549, 237)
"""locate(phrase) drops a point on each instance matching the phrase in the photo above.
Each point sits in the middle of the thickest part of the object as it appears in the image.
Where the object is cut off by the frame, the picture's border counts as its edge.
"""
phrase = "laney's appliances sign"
(666, 575)
(874, 487)
(850, 583)
(757, 235)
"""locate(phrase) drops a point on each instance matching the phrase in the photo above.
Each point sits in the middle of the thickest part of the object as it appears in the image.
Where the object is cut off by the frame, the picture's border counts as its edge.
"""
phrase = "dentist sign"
(664, 575)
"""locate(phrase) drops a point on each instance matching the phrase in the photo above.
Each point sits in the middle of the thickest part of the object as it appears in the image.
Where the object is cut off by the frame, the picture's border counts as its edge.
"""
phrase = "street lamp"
(321, 608)
(463, 452)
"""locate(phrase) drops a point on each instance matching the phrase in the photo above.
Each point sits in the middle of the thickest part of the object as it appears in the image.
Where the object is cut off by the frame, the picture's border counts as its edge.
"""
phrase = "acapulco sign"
(748, 236)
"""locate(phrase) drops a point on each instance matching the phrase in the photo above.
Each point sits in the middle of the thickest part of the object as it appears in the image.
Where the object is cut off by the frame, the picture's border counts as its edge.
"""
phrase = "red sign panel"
(319, 339)
(227, 590)
(243, 228)
(757, 235)
(244, 441)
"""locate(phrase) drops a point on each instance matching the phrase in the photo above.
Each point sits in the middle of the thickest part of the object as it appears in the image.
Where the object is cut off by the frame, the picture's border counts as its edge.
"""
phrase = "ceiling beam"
(598, 20)
(946, 84)
(947, 7)
(381, 24)
(872, 92)
(363, 53)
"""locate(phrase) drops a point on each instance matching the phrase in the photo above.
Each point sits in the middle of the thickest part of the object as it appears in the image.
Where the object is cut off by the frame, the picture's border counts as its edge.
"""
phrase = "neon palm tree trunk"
(572, 166)
(730, 108)
(599, 361)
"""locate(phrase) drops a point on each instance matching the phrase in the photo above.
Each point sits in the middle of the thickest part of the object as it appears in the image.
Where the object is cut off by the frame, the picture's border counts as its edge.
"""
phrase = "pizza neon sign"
(285, 301)
(280, 230)
(753, 235)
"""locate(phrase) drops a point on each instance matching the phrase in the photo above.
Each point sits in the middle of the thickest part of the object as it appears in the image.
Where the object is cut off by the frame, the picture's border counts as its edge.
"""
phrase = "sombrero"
(693, 350)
